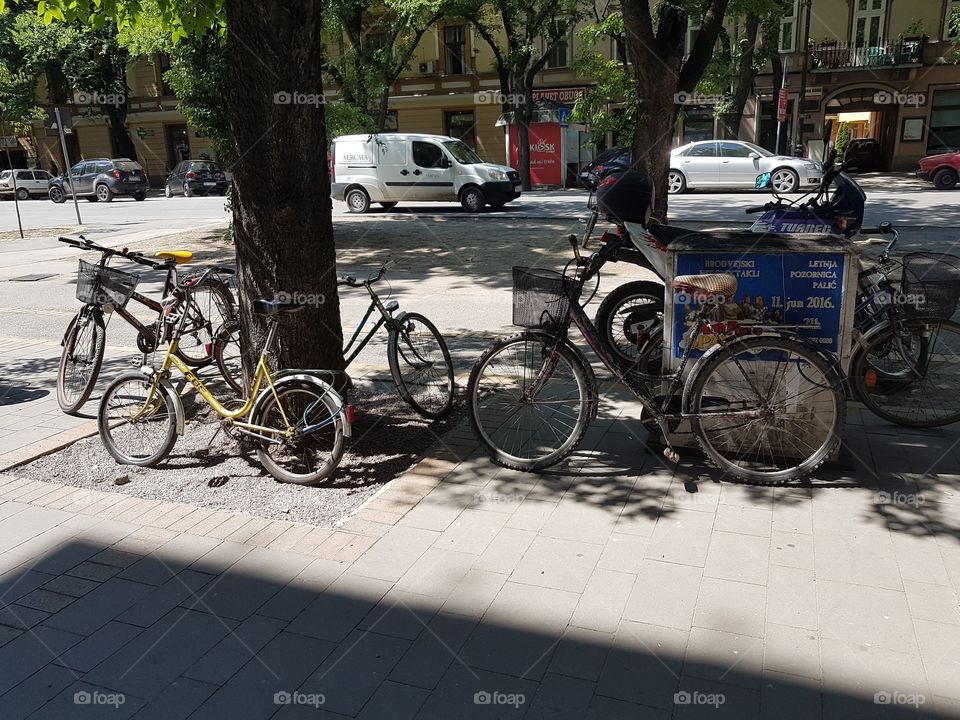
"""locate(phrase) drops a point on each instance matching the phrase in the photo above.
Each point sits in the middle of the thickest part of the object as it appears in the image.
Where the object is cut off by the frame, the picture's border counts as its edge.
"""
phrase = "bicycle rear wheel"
(226, 351)
(134, 432)
(766, 409)
(421, 366)
(529, 405)
(208, 307)
(909, 374)
(307, 457)
(81, 359)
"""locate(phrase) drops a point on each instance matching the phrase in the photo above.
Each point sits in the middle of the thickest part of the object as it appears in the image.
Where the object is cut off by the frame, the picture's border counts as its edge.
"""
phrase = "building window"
(951, 21)
(163, 64)
(557, 57)
(455, 49)
(693, 31)
(788, 27)
(868, 22)
(461, 124)
(944, 125)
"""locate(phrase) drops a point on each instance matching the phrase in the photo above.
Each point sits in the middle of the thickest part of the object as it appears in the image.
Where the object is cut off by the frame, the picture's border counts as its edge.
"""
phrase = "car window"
(6, 174)
(205, 166)
(103, 167)
(427, 154)
(24, 175)
(128, 166)
(77, 169)
(41, 174)
(708, 149)
(734, 150)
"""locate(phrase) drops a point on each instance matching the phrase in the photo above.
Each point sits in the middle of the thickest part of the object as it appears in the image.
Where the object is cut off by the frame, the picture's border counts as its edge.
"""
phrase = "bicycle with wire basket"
(765, 404)
(298, 422)
(416, 351)
(905, 366)
(106, 291)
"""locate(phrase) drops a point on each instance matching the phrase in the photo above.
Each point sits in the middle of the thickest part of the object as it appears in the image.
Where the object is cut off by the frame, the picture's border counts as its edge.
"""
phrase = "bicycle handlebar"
(758, 208)
(136, 257)
(351, 281)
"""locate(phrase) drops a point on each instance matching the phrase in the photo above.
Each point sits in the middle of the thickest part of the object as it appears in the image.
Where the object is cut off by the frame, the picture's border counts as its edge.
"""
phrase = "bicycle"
(416, 352)
(105, 290)
(764, 404)
(299, 422)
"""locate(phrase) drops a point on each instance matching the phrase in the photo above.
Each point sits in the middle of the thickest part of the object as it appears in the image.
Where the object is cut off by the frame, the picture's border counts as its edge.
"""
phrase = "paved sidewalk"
(613, 587)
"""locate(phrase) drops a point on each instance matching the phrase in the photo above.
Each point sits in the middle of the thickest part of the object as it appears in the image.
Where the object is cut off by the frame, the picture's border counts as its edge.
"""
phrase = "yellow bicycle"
(299, 422)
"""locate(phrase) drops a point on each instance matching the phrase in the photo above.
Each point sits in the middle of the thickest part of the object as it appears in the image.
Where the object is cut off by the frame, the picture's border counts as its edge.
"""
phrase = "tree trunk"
(745, 75)
(122, 142)
(282, 225)
(383, 109)
(522, 116)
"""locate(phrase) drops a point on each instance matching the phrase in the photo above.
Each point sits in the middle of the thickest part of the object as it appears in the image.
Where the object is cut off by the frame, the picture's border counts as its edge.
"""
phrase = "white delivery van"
(389, 168)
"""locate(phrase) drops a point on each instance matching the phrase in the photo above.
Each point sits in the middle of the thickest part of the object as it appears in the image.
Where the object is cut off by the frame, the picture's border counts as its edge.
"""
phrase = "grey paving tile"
(16, 583)
(792, 550)
(94, 571)
(557, 563)
(29, 652)
(98, 646)
(160, 654)
(46, 600)
(581, 653)
(602, 601)
(98, 607)
(395, 553)
(664, 594)
(701, 699)
(644, 664)
(791, 651)
(393, 701)
(732, 556)
(21, 618)
(861, 614)
(734, 607)
(724, 657)
(432, 653)
(177, 701)
(437, 572)
(68, 585)
(623, 553)
(301, 591)
(604, 708)
(280, 667)
(235, 650)
(560, 698)
(473, 595)
(117, 558)
(338, 610)
(185, 585)
(7, 634)
(84, 701)
(400, 614)
(683, 537)
(478, 695)
(65, 557)
(35, 691)
(351, 674)
(789, 698)
(471, 532)
(858, 558)
(169, 559)
(792, 597)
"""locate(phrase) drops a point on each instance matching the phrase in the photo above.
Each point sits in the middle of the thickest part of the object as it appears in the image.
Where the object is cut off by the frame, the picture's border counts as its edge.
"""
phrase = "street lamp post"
(804, 68)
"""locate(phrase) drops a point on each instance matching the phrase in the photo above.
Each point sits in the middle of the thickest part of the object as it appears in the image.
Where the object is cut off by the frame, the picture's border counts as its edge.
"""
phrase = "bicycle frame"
(385, 319)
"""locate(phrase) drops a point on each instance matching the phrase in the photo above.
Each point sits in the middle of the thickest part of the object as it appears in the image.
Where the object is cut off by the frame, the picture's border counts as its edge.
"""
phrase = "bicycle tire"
(478, 406)
(72, 402)
(330, 436)
(820, 409)
(395, 353)
(230, 371)
(110, 428)
(222, 297)
(896, 397)
(611, 310)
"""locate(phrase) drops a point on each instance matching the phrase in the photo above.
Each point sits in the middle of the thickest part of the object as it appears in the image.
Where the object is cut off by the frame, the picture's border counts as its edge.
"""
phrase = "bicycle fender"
(174, 397)
(697, 366)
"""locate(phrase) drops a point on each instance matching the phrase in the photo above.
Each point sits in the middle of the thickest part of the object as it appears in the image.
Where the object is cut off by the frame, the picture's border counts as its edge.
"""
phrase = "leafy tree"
(516, 30)
(655, 49)
(281, 211)
(843, 139)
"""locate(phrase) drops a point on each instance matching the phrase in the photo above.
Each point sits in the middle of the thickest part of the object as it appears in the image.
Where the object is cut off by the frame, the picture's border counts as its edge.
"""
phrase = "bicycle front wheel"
(767, 409)
(529, 403)
(135, 431)
(81, 359)
(421, 366)
(909, 374)
(312, 453)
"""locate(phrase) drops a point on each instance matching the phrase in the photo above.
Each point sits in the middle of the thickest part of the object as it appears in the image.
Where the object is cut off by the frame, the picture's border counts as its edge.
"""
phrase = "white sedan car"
(736, 164)
(29, 182)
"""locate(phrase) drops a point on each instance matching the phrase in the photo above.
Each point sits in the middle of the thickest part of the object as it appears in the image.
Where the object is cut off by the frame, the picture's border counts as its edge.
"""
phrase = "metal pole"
(66, 160)
(803, 71)
(783, 84)
(13, 176)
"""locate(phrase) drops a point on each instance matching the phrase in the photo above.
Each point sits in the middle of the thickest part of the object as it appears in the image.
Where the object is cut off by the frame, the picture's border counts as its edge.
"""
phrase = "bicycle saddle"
(180, 257)
(714, 288)
(276, 307)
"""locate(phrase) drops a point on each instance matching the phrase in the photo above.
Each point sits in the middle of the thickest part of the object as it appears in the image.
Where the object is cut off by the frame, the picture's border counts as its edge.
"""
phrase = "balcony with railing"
(833, 55)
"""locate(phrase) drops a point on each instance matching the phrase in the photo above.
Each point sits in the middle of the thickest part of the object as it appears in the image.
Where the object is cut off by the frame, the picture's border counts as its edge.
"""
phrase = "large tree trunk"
(523, 116)
(281, 219)
(122, 142)
(745, 75)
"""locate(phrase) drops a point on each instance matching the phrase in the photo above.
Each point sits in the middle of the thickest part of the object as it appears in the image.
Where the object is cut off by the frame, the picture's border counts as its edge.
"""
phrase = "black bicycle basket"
(930, 284)
(540, 298)
(102, 285)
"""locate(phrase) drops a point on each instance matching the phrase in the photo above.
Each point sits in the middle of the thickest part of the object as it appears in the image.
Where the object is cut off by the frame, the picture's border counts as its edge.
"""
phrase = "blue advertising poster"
(797, 289)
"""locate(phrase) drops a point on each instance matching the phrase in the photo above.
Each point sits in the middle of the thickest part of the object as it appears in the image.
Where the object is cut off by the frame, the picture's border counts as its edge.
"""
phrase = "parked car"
(736, 164)
(942, 170)
(862, 154)
(29, 182)
(100, 179)
(615, 159)
(196, 177)
(392, 167)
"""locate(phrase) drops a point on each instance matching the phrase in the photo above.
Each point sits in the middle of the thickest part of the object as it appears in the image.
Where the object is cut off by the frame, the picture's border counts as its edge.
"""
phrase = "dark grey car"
(196, 177)
(100, 180)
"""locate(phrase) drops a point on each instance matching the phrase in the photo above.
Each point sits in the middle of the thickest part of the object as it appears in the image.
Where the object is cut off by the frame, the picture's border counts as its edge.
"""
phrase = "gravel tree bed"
(388, 437)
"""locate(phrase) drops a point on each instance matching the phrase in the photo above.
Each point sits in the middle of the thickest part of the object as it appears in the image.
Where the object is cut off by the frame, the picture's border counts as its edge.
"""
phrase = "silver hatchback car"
(736, 164)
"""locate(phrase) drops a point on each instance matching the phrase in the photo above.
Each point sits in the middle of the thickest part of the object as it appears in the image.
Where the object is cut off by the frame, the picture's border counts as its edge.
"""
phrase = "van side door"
(432, 173)
(393, 171)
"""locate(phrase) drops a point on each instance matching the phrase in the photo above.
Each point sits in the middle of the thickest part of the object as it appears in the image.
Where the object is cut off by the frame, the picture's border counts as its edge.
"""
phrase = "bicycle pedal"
(672, 455)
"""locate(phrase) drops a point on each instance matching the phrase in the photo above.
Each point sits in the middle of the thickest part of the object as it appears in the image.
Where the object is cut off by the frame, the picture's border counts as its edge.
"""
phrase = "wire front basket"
(102, 285)
(931, 284)
(541, 298)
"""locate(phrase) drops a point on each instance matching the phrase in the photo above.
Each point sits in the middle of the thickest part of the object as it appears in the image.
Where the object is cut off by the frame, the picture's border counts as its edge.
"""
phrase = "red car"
(942, 170)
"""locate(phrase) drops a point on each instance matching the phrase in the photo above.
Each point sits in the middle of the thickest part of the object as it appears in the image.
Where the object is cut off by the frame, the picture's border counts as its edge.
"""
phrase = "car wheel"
(23, 194)
(388, 205)
(187, 192)
(104, 193)
(945, 179)
(676, 182)
(472, 199)
(167, 192)
(140, 196)
(56, 194)
(784, 180)
(357, 200)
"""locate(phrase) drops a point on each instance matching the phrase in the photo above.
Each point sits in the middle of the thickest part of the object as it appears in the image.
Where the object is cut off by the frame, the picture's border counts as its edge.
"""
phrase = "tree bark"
(282, 211)
(522, 116)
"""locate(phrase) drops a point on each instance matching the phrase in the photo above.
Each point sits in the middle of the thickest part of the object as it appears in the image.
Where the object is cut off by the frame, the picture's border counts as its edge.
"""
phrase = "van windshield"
(462, 152)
